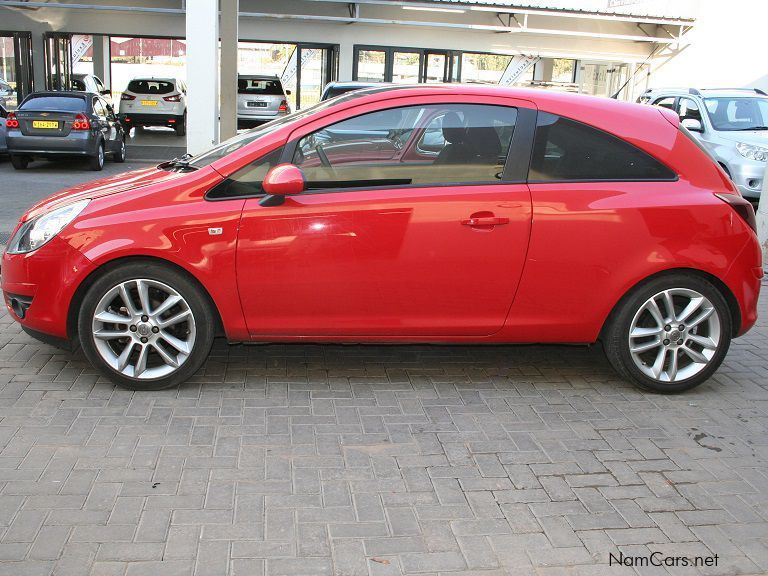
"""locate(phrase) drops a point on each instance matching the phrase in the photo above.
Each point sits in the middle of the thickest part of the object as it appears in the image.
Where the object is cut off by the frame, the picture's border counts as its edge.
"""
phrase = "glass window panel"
(405, 67)
(564, 149)
(442, 143)
(563, 70)
(371, 65)
(483, 68)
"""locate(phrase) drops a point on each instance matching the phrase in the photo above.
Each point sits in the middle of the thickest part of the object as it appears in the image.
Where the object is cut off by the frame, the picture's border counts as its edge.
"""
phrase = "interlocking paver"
(379, 461)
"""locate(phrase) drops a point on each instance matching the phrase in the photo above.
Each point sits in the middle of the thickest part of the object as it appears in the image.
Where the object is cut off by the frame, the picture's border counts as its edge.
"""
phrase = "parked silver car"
(731, 124)
(260, 99)
(6, 92)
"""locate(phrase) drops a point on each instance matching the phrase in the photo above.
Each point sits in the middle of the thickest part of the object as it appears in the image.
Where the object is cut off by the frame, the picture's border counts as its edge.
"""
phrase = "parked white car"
(155, 102)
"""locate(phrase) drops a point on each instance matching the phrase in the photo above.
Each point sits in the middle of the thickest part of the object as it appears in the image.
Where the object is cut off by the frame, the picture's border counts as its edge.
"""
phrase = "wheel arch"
(730, 299)
(88, 281)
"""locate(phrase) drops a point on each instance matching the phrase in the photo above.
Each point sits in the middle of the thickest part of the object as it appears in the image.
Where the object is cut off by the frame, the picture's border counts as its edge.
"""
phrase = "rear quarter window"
(57, 103)
(150, 87)
(565, 149)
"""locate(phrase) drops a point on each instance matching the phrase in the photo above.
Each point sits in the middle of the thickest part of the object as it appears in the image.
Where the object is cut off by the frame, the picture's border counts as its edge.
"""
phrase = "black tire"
(96, 162)
(181, 127)
(616, 337)
(19, 162)
(198, 304)
(119, 155)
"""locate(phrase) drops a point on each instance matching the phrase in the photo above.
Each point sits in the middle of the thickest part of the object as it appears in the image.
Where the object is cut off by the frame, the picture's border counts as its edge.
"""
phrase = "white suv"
(155, 102)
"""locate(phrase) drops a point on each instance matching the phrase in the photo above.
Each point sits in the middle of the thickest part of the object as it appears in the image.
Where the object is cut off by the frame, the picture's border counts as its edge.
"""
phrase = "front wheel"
(671, 334)
(146, 326)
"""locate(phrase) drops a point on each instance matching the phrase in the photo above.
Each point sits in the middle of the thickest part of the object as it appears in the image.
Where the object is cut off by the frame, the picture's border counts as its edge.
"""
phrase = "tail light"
(11, 121)
(742, 207)
(127, 97)
(81, 123)
(173, 98)
(283, 107)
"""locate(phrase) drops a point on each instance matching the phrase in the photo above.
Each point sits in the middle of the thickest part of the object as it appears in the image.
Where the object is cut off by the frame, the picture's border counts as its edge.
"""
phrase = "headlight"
(753, 152)
(40, 230)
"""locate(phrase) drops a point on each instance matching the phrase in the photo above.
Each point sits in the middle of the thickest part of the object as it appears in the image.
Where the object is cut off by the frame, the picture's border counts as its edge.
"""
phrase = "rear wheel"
(119, 155)
(96, 163)
(19, 162)
(181, 127)
(671, 334)
(146, 326)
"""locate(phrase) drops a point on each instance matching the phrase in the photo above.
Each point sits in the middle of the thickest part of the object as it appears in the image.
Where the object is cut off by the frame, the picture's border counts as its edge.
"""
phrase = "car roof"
(355, 83)
(707, 92)
(153, 79)
(65, 93)
(258, 76)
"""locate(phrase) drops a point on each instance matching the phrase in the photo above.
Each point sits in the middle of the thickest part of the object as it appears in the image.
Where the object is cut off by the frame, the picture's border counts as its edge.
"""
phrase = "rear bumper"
(81, 144)
(158, 119)
(744, 279)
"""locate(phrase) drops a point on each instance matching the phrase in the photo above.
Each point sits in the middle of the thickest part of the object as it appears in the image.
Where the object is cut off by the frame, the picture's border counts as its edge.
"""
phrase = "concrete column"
(229, 35)
(39, 65)
(101, 59)
(202, 34)
(346, 58)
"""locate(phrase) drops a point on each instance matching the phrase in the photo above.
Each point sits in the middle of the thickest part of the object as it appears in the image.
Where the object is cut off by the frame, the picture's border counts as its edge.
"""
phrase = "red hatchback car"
(448, 213)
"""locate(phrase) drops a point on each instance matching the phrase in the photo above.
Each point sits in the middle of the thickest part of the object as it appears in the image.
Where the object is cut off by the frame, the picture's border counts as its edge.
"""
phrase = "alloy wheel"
(674, 335)
(143, 329)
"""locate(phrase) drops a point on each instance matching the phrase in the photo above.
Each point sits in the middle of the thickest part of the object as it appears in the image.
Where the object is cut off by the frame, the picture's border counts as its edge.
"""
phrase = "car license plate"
(44, 124)
(252, 104)
(149, 102)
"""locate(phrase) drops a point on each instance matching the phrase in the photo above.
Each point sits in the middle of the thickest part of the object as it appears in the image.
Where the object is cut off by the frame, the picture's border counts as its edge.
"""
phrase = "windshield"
(733, 114)
(237, 142)
(54, 103)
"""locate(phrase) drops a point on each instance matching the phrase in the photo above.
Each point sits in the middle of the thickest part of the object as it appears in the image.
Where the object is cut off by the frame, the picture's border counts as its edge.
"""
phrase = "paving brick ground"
(379, 460)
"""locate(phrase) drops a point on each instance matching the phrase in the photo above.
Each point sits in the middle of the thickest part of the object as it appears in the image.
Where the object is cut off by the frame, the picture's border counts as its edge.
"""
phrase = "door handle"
(485, 221)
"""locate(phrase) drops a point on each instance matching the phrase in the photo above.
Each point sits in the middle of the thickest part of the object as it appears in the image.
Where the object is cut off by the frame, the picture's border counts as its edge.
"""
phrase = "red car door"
(369, 252)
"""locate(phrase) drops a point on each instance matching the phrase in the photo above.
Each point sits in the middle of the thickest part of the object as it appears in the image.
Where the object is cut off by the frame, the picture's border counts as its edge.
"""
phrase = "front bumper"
(75, 144)
(748, 176)
(47, 280)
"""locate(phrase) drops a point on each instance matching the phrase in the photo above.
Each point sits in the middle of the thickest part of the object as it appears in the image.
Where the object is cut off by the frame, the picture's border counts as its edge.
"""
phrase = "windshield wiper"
(752, 128)
(182, 163)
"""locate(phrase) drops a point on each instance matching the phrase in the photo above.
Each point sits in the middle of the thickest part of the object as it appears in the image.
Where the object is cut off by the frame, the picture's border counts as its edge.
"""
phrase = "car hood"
(106, 186)
(756, 137)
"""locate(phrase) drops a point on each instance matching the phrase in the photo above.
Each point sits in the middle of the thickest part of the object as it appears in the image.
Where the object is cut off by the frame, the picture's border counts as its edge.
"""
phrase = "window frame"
(599, 180)
(515, 166)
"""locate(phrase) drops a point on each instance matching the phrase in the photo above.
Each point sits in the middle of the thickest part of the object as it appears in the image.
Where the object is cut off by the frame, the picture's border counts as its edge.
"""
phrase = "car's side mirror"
(692, 125)
(287, 92)
(106, 92)
(281, 181)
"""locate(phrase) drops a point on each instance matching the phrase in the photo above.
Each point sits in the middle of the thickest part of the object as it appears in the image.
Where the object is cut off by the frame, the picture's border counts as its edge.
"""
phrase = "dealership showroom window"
(383, 287)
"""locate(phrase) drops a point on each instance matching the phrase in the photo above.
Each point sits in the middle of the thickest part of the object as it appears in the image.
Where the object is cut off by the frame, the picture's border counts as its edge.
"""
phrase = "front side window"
(564, 149)
(668, 102)
(98, 108)
(689, 110)
(413, 145)
(246, 181)
(733, 114)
